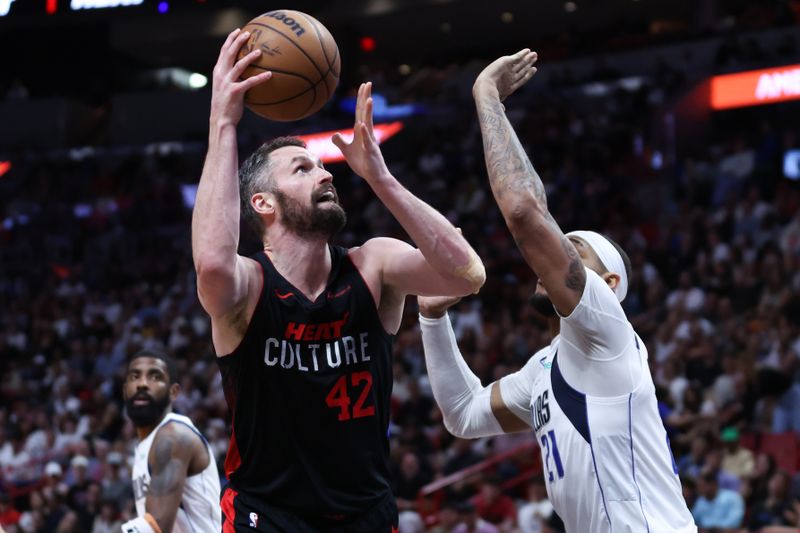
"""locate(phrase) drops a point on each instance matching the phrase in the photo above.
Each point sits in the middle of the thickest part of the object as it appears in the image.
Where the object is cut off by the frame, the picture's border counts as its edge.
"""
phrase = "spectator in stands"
(472, 523)
(448, 517)
(772, 510)
(534, 514)
(494, 506)
(108, 520)
(716, 508)
(9, 516)
(736, 459)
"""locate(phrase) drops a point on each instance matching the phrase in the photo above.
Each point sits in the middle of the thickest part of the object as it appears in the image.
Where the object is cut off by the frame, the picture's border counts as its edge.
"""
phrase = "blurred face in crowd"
(707, 488)
(541, 301)
(148, 393)
(303, 197)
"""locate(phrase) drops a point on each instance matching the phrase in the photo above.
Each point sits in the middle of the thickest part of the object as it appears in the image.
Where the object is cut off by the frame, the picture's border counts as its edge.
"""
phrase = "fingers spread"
(243, 63)
(338, 140)
(252, 81)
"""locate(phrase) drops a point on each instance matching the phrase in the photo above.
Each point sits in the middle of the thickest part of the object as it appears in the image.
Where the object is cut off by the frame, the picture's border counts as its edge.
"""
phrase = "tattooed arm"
(517, 187)
(177, 452)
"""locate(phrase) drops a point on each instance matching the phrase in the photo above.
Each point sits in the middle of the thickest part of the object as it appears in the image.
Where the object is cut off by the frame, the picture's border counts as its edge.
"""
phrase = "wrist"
(485, 88)
(218, 128)
(432, 313)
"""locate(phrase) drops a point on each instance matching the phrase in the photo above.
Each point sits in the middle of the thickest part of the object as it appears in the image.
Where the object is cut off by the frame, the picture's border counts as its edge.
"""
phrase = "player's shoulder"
(177, 432)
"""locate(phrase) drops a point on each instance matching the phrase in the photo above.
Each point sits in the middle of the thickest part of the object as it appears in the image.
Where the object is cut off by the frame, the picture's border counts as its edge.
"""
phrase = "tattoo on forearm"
(576, 274)
(511, 173)
(510, 170)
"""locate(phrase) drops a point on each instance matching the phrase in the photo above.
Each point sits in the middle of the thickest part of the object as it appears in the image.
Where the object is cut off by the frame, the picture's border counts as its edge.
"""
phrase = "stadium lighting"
(756, 87)
(197, 80)
(98, 4)
(321, 145)
(5, 7)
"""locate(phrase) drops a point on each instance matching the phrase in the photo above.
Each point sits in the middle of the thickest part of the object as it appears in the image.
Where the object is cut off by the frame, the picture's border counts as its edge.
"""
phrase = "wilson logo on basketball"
(289, 21)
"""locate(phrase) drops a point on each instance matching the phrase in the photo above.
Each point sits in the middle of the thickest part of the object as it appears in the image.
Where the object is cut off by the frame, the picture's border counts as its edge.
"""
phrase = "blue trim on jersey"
(572, 402)
(597, 477)
(186, 514)
(197, 431)
(633, 461)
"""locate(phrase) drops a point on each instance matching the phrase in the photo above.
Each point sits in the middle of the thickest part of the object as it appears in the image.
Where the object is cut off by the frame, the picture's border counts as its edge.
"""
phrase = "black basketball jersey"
(309, 389)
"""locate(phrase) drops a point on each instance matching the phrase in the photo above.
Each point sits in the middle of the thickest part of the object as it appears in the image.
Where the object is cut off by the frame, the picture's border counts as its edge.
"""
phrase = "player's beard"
(317, 220)
(543, 305)
(149, 414)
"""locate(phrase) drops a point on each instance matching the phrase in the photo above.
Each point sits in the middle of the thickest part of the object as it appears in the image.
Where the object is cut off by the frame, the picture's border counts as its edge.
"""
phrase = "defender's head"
(283, 184)
(151, 385)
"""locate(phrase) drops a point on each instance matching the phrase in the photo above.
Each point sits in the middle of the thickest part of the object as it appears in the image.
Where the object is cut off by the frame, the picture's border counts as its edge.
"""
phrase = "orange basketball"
(304, 61)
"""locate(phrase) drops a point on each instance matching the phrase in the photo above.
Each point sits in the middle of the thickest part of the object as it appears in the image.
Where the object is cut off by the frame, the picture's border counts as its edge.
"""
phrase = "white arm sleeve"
(464, 401)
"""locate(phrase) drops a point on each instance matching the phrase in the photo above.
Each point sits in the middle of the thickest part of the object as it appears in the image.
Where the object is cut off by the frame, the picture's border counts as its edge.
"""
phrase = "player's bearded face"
(145, 409)
(541, 302)
(322, 217)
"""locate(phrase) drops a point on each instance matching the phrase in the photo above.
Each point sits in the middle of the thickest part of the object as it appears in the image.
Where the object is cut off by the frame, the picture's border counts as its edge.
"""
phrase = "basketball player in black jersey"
(303, 329)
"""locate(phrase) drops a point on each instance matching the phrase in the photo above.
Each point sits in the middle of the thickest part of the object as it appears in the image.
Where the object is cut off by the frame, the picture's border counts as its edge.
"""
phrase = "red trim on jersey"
(228, 510)
(232, 459)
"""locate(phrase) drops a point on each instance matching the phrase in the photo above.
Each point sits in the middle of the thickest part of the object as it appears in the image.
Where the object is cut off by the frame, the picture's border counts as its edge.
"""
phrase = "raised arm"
(444, 262)
(517, 187)
(222, 275)
(469, 409)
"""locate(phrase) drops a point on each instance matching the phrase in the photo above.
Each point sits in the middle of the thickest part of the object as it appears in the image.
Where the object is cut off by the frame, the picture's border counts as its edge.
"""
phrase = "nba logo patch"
(253, 519)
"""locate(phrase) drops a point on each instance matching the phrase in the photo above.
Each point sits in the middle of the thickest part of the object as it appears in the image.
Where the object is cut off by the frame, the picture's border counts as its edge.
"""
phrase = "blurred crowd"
(95, 264)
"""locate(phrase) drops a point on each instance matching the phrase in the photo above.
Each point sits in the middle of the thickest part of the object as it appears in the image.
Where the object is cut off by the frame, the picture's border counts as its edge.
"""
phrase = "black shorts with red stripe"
(243, 513)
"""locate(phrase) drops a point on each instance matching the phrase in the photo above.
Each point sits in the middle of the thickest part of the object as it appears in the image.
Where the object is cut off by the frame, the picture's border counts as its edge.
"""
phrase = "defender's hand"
(363, 154)
(227, 90)
(507, 74)
(436, 306)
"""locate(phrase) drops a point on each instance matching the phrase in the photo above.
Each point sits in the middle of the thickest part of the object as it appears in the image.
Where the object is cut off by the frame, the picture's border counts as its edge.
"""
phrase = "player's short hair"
(255, 176)
(625, 259)
(169, 362)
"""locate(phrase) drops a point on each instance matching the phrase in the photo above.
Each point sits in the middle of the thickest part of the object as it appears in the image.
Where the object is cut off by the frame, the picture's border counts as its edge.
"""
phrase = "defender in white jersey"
(175, 479)
(589, 395)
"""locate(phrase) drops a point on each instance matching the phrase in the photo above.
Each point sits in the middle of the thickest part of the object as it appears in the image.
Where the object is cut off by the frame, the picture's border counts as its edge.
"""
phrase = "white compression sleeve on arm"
(465, 403)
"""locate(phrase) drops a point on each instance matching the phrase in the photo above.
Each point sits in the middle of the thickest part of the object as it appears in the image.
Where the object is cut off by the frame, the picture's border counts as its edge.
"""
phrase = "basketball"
(303, 58)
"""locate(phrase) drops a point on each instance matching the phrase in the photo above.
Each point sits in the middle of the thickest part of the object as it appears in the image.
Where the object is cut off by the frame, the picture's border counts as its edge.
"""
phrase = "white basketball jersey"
(606, 460)
(199, 511)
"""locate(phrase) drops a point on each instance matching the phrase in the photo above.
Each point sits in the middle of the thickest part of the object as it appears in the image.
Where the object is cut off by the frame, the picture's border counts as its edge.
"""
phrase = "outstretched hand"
(227, 89)
(363, 154)
(507, 74)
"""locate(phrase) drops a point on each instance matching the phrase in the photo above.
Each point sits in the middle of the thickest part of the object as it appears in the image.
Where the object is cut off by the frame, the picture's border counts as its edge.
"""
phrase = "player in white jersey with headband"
(175, 479)
(589, 395)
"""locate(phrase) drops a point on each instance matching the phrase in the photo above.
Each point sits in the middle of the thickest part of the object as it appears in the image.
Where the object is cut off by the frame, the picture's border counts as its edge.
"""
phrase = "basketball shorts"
(244, 513)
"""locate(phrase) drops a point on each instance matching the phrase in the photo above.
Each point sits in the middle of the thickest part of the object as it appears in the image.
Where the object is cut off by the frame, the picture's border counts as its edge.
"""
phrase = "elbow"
(209, 267)
(472, 276)
(454, 428)
(527, 218)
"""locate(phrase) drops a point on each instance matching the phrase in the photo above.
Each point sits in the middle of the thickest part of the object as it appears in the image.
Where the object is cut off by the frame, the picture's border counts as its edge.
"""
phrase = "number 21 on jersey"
(541, 416)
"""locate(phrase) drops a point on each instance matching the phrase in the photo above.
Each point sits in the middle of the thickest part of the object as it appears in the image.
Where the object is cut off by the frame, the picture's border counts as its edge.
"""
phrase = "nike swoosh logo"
(283, 296)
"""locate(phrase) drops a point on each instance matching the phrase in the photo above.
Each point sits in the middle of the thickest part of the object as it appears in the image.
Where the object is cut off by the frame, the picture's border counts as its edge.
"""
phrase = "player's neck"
(554, 325)
(305, 263)
(143, 431)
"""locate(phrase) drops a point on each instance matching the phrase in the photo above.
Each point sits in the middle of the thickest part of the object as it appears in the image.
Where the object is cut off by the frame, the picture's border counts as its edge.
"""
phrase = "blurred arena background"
(678, 119)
